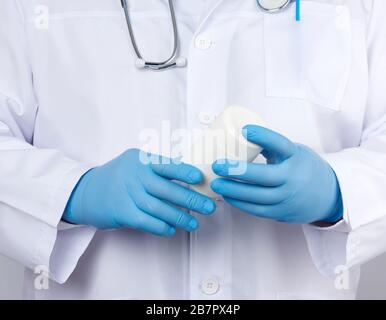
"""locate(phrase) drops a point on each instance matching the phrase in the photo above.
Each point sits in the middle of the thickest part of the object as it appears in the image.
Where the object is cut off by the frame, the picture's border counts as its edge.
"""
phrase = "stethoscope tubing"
(173, 60)
(161, 65)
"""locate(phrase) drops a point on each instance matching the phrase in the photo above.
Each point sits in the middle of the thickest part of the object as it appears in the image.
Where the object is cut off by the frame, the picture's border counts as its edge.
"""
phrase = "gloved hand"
(125, 192)
(295, 186)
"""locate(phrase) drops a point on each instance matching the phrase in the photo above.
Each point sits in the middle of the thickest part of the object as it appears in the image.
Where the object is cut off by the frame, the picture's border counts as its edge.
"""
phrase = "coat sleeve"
(35, 184)
(361, 173)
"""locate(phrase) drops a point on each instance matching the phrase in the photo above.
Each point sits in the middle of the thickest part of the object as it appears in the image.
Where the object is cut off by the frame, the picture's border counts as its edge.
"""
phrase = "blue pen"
(297, 10)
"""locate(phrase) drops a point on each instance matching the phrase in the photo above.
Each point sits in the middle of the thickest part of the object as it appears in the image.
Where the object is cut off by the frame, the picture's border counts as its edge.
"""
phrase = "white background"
(373, 283)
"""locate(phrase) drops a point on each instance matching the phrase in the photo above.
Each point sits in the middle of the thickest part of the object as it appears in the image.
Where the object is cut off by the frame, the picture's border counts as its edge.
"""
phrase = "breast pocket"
(309, 59)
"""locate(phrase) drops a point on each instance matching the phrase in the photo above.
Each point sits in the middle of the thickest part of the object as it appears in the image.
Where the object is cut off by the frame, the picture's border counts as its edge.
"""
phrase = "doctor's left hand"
(136, 191)
(295, 186)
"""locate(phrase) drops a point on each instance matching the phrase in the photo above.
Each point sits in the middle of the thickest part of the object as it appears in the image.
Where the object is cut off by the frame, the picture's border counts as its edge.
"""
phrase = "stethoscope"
(270, 6)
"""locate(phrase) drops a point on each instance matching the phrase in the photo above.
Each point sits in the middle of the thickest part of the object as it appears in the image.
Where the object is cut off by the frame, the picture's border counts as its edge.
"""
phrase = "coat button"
(206, 117)
(210, 287)
(203, 43)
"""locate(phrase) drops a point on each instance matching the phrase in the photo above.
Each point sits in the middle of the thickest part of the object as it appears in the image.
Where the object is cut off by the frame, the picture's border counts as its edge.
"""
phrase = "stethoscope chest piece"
(179, 62)
(273, 5)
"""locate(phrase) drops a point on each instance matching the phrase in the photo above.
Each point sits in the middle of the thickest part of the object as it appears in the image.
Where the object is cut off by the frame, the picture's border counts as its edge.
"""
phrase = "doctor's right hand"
(127, 193)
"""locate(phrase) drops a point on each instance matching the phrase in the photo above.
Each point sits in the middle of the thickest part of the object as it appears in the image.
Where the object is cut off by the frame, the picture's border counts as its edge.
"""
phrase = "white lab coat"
(71, 98)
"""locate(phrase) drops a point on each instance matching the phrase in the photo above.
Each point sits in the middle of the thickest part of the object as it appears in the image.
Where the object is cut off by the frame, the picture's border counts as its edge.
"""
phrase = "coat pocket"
(310, 59)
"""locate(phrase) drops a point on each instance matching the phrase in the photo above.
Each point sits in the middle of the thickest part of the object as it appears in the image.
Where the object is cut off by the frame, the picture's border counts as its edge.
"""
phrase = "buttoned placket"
(208, 272)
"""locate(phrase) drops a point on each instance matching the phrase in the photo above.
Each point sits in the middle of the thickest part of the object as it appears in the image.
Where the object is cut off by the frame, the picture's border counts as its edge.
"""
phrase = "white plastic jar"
(223, 140)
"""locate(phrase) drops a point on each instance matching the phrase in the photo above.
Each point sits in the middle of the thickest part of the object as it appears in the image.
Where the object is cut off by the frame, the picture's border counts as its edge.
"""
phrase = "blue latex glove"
(295, 186)
(125, 192)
